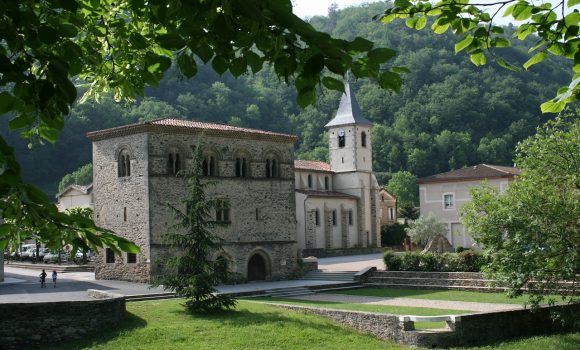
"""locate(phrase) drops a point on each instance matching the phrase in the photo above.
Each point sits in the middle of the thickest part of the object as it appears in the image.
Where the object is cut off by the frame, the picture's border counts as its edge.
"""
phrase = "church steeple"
(348, 111)
(349, 136)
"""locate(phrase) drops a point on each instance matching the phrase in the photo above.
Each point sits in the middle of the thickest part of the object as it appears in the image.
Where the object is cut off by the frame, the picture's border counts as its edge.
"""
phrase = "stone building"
(75, 196)
(388, 205)
(337, 203)
(134, 180)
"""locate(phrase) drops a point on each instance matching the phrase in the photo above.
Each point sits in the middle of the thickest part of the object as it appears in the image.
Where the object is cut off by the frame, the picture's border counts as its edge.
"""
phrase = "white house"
(75, 196)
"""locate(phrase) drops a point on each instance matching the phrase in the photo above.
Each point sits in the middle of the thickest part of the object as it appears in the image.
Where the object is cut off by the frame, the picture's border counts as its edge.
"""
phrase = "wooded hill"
(449, 113)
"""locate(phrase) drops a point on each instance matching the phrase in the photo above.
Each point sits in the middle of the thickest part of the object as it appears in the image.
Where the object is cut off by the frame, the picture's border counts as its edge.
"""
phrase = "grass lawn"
(386, 309)
(437, 294)
(165, 325)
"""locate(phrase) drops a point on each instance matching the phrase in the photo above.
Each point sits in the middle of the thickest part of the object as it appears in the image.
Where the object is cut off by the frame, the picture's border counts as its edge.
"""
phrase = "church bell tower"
(349, 134)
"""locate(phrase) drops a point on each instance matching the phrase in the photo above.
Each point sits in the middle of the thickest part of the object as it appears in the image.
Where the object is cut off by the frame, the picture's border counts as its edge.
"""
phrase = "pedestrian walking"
(54, 274)
(43, 279)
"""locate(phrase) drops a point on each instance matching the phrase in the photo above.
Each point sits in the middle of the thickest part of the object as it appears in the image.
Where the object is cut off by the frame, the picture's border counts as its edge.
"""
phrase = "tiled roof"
(82, 189)
(326, 194)
(348, 111)
(185, 126)
(312, 165)
(476, 172)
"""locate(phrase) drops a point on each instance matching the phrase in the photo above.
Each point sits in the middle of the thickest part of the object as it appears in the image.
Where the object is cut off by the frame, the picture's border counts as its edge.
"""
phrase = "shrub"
(411, 262)
(459, 249)
(470, 261)
(392, 261)
(429, 262)
(393, 235)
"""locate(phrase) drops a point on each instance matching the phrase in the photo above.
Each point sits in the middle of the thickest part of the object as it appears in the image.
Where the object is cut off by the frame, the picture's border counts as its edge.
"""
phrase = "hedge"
(466, 261)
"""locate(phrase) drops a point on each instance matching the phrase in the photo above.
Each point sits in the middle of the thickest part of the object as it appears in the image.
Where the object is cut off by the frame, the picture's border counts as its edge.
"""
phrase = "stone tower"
(350, 146)
(350, 153)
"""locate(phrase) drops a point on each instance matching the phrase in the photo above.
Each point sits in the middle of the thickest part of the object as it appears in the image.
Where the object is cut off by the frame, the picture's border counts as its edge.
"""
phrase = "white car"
(52, 257)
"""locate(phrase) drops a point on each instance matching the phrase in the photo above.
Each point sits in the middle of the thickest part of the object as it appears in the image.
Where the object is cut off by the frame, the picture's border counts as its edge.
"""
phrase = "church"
(271, 207)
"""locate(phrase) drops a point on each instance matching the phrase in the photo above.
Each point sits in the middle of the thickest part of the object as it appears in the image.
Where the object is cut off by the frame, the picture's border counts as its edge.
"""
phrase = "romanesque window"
(363, 139)
(131, 258)
(241, 167)
(173, 162)
(309, 181)
(326, 183)
(317, 217)
(124, 163)
(222, 211)
(109, 256)
(209, 165)
(334, 219)
(272, 167)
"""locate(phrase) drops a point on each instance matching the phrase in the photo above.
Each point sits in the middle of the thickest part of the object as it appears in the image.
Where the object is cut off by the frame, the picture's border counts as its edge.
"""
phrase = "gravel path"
(433, 304)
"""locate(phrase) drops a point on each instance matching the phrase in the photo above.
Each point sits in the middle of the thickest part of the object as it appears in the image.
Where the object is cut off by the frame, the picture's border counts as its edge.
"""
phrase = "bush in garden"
(393, 235)
(392, 261)
(429, 262)
(411, 262)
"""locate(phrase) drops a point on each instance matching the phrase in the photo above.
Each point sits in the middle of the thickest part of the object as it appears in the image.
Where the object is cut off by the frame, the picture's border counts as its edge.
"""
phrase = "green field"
(437, 294)
(165, 325)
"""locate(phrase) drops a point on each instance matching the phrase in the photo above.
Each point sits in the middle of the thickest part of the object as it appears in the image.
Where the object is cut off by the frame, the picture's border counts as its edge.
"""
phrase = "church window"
(334, 220)
(309, 181)
(363, 139)
(124, 164)
(272, 167)
(131, 258)
(241, 167)
(326, 183)
(350, 220)
(173, 162)
(317, 217)
(125, 214)
(208, 166)
(109, 256)
(341, 141)
(222, 211)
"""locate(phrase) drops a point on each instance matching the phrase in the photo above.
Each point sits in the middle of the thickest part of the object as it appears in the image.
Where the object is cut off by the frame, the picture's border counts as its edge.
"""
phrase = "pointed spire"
(348, 110)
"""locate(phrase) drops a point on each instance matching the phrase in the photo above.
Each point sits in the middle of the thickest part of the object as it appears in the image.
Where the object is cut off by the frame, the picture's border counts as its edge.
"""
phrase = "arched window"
(326, 183)
(309, 181)
(341, 141)
(209, 165)
(334, 219)
(173, 162)
(124, 163)
(241, 167)
(272, 167)
(363, 139)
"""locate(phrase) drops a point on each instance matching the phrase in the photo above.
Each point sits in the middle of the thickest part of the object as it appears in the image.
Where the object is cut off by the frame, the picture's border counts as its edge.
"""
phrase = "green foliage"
(467, 261)
(81, 176)
(556, 32)
(191, 273)
(424, 228)
(404, 186)
(531, 232)
(393, 235)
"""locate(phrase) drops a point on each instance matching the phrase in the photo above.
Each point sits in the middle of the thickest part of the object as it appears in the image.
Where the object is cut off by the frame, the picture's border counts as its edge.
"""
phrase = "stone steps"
(152, 296)
(347, 276)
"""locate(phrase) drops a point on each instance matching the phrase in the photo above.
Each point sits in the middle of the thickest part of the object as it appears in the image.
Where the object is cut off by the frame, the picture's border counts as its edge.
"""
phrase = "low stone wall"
(24, 325)
(325, 253)
(468, 330)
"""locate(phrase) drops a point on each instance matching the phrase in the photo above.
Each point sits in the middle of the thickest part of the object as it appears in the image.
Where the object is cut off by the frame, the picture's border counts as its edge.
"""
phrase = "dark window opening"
(173, 163)
(131, 258)
(317, 217)
(341, 141)
(125, 214)
(363, 139)
(326, 184)
(241, 167)
(271, 168)
(334, 220)
(208, 166)
(222, 211)
(109, 256)
(309, 181)
(124, 164)
(350, 217)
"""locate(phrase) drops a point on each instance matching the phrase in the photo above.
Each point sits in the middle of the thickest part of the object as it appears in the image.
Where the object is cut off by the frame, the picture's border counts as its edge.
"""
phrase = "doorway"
(257, 268)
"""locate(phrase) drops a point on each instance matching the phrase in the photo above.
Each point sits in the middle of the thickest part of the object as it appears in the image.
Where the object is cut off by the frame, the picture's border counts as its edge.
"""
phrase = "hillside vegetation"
(448, 114)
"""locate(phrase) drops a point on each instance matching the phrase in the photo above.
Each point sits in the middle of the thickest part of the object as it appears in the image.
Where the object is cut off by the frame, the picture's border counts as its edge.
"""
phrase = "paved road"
(23, 286)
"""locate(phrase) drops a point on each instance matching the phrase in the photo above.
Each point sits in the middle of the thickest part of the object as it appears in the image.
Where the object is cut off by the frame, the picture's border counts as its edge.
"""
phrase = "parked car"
(52, 257)
(30, 254)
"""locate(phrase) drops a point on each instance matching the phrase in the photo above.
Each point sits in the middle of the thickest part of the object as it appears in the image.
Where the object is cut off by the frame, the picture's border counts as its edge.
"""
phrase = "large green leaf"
(463, 43)
(332, 83)
(478, 58)
(537, 58)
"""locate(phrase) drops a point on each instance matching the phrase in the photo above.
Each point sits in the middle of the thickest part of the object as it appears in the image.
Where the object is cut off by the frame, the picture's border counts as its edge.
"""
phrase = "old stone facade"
(337, 203)
(252, 171)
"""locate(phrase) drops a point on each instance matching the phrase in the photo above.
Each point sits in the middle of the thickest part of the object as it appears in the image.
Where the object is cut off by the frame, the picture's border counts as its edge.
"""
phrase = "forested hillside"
(448, 114)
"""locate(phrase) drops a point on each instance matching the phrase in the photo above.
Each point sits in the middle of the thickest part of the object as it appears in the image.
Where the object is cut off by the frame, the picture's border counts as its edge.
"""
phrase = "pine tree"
(191, 273)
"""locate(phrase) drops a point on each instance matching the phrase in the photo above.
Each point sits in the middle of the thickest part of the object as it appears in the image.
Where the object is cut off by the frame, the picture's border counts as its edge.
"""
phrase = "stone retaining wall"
(468, 330)
(325, 253)
(25, 325)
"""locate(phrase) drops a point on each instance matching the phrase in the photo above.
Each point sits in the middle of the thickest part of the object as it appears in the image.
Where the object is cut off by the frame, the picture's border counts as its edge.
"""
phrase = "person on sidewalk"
(43, 279)
(54, 274)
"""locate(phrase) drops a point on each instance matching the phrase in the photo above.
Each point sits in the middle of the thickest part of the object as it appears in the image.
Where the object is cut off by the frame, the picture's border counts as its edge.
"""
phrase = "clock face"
(340, 132)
